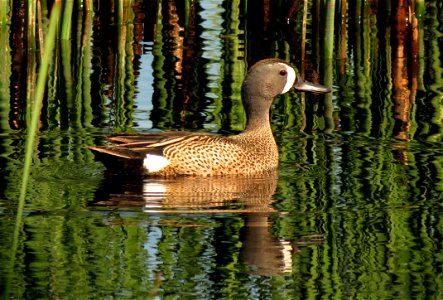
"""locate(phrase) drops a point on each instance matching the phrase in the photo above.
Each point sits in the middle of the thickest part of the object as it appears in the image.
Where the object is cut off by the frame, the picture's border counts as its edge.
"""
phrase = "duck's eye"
(283, 72)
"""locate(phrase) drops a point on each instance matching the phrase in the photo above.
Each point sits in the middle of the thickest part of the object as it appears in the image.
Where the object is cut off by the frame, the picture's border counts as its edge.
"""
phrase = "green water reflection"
(355, 210)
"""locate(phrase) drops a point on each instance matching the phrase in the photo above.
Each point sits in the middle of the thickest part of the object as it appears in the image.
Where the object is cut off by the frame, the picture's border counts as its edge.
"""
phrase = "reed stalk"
(32, 132)
(420, 10)
(66, 64)
(31, 60)
(302, 67)
(5, 7)
(327, 64)
(124, 87)
(31, 28)
(160, 97)
(66, 25)
(5, 72)
(84, 110)
(87, 4)
(235, 69)
(329, 8)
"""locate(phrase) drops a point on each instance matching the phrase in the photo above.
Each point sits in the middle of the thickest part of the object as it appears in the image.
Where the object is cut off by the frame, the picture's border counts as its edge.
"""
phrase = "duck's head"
(271, 77)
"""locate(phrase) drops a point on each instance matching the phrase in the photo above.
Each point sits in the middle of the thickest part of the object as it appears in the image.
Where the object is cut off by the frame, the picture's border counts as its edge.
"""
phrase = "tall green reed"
(328, 8)
(4, 10)
(66, 25)
(32, 130)
(302, 67)
(234, 69)
(125, 87)
(5, 60)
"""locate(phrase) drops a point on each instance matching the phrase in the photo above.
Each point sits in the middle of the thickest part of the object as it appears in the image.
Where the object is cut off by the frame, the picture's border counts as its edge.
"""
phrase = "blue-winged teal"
(253, 151)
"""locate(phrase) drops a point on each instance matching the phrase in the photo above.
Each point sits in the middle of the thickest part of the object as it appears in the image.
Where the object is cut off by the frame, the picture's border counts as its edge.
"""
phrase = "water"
(354, 211)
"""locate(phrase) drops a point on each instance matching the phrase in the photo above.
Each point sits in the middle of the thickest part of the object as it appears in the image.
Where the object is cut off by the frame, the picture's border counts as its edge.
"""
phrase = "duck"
(251, 152)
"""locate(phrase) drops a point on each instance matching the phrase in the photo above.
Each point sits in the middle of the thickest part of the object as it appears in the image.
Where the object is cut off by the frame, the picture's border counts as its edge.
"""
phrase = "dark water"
(355, 210)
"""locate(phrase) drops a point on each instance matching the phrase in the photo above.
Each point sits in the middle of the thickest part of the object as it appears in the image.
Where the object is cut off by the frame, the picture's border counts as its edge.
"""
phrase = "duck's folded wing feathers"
(149, 138)
(119, 152)
(137, 146)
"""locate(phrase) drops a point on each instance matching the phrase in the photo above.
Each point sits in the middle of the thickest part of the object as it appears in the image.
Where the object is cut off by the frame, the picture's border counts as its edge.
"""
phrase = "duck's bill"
(306, 86)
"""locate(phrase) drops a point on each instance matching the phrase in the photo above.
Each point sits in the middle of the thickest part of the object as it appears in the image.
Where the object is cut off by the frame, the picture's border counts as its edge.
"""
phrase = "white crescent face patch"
(290, 79)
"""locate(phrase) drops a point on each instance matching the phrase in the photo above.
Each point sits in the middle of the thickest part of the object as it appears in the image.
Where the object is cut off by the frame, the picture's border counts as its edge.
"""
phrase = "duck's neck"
(257, 113)
(258, 121)
(258, 135)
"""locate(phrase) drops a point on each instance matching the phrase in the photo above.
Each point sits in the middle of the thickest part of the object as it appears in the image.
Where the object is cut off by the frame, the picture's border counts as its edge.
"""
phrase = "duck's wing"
(150, 137)
(138, 145)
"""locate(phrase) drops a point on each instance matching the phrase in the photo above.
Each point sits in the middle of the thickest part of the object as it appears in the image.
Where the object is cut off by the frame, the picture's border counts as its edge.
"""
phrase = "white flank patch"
(154, 163)
(290, 79)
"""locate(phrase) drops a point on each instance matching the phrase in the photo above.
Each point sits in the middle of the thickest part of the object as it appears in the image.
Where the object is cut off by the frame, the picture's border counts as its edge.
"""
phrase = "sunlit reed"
(4, 10)
(5, 60)
(66, 23)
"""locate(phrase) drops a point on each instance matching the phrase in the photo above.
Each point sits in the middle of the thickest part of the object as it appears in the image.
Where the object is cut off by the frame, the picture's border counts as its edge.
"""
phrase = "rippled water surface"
(354, 210)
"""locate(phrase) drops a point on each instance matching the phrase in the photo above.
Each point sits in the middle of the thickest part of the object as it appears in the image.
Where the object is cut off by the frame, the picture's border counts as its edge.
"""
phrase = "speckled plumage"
(251, 152)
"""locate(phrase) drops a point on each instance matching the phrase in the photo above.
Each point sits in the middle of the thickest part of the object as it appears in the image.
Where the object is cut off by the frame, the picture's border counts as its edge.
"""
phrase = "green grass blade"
(32, 130)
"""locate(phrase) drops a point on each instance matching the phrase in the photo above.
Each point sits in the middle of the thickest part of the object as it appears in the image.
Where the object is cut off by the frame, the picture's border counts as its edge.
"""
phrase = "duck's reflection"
(196, 194)
(250, 196)
(265, 254)
(234, 194)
